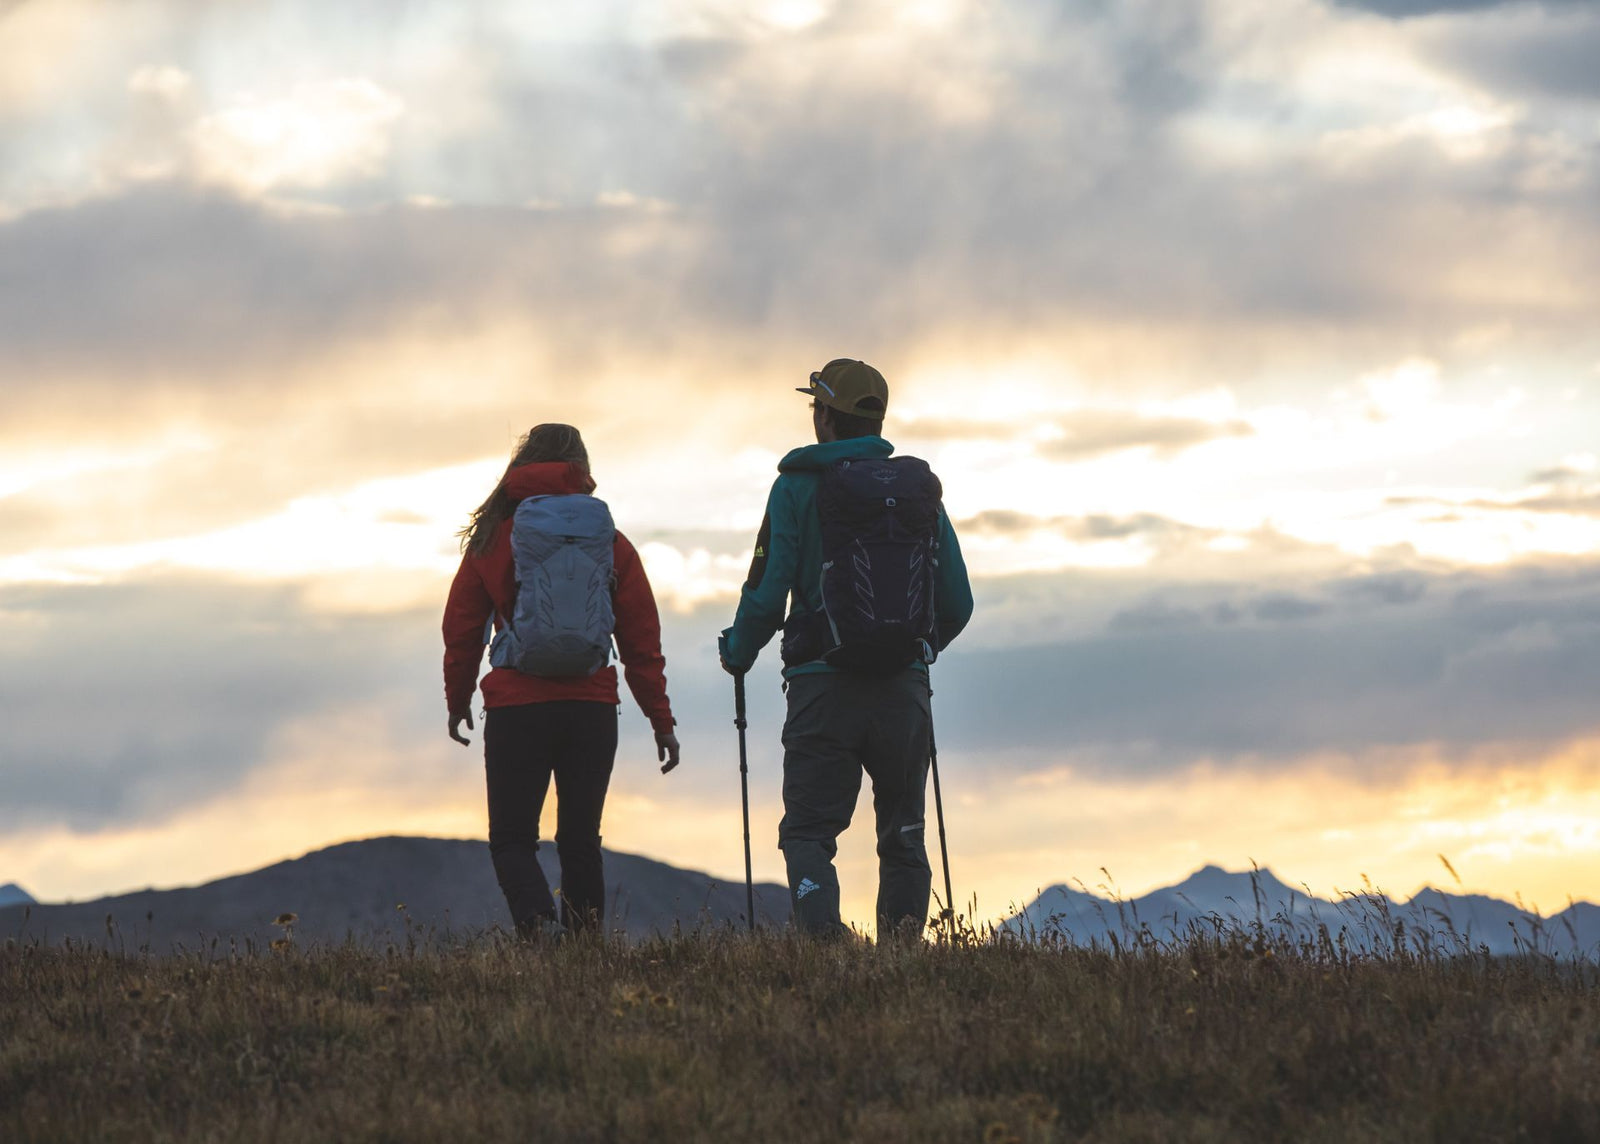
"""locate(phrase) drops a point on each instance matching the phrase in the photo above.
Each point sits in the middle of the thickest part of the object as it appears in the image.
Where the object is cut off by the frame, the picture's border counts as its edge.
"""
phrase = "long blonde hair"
(552, 442)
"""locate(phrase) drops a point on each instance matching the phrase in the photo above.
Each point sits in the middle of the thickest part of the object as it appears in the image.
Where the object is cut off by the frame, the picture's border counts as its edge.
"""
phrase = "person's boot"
(813, 888)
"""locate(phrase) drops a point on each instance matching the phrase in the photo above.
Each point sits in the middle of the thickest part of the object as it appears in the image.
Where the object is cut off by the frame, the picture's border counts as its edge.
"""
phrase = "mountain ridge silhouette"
(1212, 898)
(379, 890)
(12, 894)
(376, 890)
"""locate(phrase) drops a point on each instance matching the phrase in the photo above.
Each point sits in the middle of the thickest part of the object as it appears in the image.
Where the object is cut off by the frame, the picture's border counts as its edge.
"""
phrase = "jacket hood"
(814, 458)
(548, 478)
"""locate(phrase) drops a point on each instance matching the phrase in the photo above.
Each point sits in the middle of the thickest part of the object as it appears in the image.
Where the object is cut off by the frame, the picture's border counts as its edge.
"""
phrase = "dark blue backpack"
(880, 555)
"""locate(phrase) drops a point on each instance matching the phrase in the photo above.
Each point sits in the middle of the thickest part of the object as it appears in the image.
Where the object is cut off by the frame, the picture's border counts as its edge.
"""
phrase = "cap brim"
(804, 389)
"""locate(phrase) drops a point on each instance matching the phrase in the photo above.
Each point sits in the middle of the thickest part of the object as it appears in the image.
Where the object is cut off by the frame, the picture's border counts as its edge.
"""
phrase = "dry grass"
(725, 1037)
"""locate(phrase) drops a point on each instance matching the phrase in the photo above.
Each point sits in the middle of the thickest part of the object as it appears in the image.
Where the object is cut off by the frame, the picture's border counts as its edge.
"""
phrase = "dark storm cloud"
(1157, 615)
(845, 200)
(804, 198)
(127, 703)
(226, 294)
(1524, 56)
(1283, 607)
(1385, 588)
(1349, 665)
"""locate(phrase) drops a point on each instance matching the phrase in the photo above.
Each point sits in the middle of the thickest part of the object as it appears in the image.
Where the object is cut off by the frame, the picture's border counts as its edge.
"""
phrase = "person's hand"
(667, 750)
(722, 655)
(455, 728)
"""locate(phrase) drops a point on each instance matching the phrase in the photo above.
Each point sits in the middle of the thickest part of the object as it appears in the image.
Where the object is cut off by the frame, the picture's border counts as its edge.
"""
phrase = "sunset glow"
(1254, 345)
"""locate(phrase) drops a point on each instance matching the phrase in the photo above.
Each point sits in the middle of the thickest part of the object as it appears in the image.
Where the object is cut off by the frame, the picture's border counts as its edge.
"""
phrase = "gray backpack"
(562, 624)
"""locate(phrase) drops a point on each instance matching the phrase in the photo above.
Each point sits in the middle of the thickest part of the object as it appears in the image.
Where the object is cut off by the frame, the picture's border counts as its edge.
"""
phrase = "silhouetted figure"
(857, 563)
(543, 562)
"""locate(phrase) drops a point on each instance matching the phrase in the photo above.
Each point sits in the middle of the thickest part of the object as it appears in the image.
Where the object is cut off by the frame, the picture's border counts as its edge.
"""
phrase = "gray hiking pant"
(840, 725)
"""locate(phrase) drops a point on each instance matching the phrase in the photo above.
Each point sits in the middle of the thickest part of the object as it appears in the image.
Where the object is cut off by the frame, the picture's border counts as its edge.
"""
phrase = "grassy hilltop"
(730, 1038)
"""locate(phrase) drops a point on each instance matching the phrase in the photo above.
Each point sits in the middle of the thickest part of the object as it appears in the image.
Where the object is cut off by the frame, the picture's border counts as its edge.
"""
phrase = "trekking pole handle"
(738, 702)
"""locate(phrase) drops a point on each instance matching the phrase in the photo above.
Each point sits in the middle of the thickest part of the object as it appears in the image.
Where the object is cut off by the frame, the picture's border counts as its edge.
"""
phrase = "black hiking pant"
(523, 747)
(839, 726)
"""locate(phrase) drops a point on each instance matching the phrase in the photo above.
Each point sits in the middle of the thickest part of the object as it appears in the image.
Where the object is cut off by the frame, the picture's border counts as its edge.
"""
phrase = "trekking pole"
(744, 797)
(948, 916)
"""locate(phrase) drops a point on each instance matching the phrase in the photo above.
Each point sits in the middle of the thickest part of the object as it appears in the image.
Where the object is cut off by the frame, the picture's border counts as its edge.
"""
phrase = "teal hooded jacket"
(786, 572)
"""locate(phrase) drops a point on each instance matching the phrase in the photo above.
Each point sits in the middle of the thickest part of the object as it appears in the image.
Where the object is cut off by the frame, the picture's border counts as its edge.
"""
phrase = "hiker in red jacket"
(539, 726)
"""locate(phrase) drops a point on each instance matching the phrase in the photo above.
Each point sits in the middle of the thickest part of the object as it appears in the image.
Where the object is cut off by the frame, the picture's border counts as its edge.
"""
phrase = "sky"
(1253, 341)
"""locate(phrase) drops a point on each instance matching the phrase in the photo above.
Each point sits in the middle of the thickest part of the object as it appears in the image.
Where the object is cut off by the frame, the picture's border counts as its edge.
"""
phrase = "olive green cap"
(850, 386)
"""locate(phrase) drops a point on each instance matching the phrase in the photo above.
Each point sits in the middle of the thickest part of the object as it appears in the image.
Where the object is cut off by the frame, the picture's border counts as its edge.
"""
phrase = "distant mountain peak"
(1212, 879)
(12, 894)
(1212, 895)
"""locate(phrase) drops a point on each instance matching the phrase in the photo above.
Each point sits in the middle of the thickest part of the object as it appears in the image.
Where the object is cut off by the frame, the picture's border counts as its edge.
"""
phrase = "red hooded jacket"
(486, 585)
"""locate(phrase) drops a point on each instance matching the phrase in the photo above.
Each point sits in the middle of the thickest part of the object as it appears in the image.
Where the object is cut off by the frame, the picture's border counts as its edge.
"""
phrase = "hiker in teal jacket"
(843, 723)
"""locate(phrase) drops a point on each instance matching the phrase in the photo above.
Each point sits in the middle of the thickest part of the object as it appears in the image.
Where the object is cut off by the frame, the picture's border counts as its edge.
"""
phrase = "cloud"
(1552, 62)
(1085, 433)
(317, 135)
(1568, 489)
(689, 209)
(196, 684)
(1538, 53)
(1094, 433)
(1350, 665)
(1406, 9)
(1284, 607)
(213, 699)
(1007, 522)
(187, 680)
(238, 313)
(168, 83)
(44, 51)
(192, 488)
(1393, 588)
(1578, 467)
(203, 688)
(950, 429)
(1157, 615)
(213, 292)
(1567, 504)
